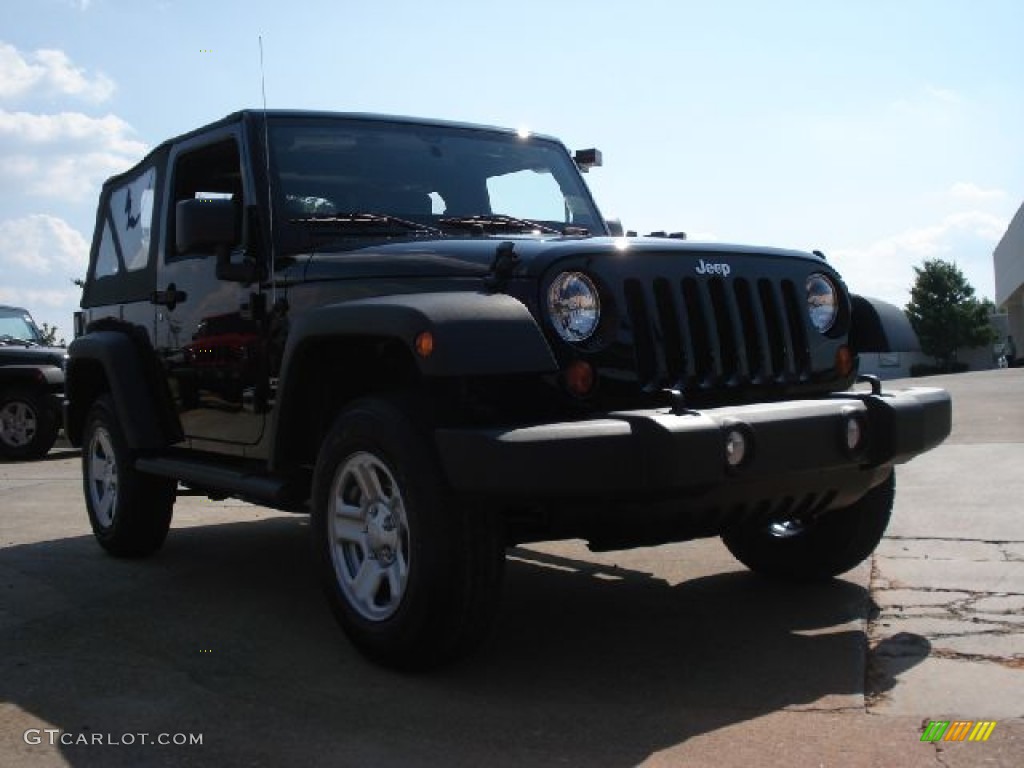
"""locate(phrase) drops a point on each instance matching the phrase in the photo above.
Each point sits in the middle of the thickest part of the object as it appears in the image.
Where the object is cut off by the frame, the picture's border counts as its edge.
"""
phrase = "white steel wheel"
(369, 535)
(411, 572)
(129, 511)
(101, 477)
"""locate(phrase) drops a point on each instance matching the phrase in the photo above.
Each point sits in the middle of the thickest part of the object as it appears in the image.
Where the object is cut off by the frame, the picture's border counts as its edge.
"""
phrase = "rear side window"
(131, 210)
(123, 258)
(107, 263)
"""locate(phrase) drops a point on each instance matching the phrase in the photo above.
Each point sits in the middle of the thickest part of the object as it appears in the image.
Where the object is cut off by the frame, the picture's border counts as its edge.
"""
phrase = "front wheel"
(412, 574)
(28, 424)
(817, 549)
(130, 512)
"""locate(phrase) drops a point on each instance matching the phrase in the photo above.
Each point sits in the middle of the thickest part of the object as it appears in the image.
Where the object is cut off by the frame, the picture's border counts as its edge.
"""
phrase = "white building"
(1008, 259)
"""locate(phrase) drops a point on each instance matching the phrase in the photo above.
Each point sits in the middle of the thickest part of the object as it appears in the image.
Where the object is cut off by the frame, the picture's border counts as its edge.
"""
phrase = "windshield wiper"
(364, 223)
(497, 223)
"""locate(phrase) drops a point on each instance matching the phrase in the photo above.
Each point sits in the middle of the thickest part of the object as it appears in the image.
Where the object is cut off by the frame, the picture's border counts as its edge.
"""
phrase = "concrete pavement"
(665, 656)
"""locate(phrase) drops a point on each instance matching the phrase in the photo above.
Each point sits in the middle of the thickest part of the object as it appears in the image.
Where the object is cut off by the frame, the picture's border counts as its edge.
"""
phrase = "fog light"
(854, 433)
(735, 447)
(579, 378)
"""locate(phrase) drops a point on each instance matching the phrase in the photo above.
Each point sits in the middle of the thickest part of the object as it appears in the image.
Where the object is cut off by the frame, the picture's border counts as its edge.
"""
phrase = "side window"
(211, 172)
(131, 209)
(106, 258)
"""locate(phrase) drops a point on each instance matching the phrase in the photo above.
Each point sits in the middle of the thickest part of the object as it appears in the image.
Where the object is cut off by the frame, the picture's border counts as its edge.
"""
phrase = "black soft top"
(244, 116)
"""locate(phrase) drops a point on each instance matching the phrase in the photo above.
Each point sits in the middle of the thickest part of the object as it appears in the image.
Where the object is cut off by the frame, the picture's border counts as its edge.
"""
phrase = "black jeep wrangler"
(31, 387)
(425, 334)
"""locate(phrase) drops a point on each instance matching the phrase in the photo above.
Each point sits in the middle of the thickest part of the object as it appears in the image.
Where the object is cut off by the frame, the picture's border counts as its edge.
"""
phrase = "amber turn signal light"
(844, 361)
(579, 377)
(424, 344)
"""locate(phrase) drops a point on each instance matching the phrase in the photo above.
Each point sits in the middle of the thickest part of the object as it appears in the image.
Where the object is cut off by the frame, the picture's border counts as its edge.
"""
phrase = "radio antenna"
(270, 197)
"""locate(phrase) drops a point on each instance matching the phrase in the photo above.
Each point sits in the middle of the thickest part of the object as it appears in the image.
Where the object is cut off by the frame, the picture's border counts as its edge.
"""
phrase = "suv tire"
(817, 550)
(412, 574)
(28, 425)
(130, 511)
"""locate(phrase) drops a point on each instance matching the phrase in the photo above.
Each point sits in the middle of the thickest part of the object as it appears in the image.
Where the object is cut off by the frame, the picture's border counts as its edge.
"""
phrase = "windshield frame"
(443, 164)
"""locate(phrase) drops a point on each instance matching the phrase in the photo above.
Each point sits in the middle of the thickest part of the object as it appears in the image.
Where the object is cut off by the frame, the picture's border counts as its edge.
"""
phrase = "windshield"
(332, 174)
(17, 324)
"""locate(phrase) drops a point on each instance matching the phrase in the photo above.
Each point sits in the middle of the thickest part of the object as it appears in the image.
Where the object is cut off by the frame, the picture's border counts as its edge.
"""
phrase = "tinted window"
(210, 172)
(330, 167)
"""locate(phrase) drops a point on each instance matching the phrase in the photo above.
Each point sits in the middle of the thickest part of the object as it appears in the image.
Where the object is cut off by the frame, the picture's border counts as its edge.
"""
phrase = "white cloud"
(29, 128)
(966, 191)
(32, 300)
(50, 72)
(884, 268)
(41, 244)
(65, 155)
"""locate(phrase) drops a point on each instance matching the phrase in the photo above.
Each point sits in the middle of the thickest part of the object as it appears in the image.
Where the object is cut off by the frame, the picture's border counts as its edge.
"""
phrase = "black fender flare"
(133, 381)
(475, 334)
(878, 326)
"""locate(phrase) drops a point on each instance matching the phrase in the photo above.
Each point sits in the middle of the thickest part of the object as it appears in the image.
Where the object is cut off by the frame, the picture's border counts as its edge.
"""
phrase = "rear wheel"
(412, 574)
(817, 549)
(28, 424)
(130, 512)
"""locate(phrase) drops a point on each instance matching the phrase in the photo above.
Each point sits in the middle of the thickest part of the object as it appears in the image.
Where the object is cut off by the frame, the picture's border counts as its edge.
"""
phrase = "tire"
(820, 549)
(130, 512)
(28, 424)
(412, 575)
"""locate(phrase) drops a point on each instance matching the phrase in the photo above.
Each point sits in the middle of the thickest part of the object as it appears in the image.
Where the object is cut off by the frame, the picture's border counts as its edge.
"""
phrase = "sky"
(881, 132)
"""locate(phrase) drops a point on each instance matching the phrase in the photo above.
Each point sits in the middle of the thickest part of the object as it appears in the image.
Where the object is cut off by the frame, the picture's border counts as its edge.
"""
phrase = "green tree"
(945, 313)
(49, 334)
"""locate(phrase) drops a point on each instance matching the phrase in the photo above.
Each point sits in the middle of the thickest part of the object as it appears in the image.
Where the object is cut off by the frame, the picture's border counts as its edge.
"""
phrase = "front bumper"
(792, 447)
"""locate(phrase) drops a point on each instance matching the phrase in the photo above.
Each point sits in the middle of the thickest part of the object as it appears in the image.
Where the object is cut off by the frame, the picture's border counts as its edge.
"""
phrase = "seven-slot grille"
(717, 332)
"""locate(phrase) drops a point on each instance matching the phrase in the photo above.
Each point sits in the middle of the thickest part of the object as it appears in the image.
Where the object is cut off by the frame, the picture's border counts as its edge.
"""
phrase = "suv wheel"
(130, 512)
(817, 549)
(412, 575)
(28, 425)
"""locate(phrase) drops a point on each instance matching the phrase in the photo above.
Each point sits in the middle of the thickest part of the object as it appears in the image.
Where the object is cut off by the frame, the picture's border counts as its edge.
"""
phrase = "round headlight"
(574, 306)
(822, 302)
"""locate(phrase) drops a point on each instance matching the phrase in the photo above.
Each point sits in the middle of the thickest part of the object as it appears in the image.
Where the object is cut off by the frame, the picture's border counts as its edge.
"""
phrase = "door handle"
(169, 298)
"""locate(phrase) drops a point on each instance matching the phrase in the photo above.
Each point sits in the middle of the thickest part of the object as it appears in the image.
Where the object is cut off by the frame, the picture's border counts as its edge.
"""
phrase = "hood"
(19, 354)
(473, 256)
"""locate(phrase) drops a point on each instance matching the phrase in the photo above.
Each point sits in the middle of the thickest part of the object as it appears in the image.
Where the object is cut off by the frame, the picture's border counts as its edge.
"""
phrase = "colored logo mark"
(958, 730)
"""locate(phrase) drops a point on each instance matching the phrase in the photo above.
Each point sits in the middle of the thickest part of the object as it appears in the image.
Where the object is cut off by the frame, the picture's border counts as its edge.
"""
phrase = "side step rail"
(272, 491)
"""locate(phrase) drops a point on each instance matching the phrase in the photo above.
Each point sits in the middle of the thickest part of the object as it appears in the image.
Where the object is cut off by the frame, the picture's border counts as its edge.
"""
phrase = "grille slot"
(717, 333)
(643, 337)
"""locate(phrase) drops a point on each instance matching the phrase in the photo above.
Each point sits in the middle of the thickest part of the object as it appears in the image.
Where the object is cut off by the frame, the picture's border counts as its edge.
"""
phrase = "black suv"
(31, 387)
(426, 334)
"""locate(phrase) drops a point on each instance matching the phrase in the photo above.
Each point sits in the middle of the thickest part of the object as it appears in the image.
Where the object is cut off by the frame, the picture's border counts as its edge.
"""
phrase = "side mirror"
(614, 227)
(204, 224)
(587, 159)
